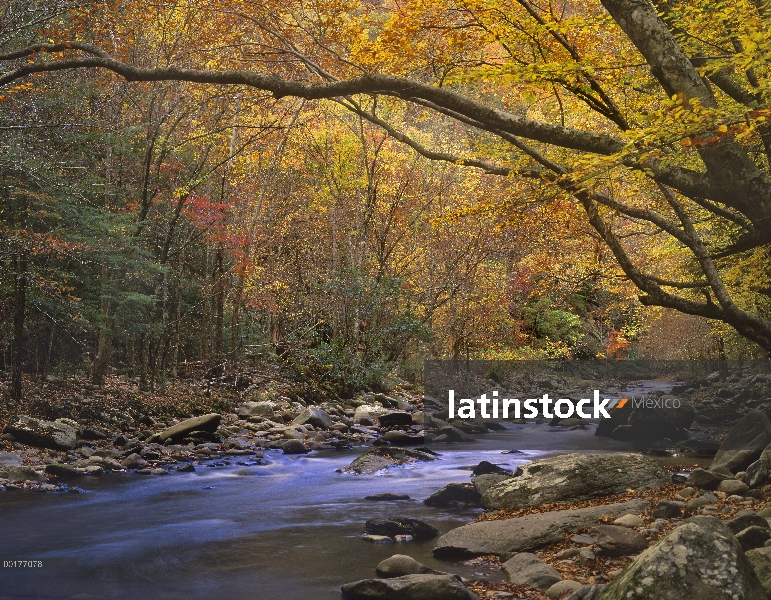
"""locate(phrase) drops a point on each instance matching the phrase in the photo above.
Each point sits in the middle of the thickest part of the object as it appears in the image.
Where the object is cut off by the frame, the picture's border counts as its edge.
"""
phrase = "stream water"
(289, 530)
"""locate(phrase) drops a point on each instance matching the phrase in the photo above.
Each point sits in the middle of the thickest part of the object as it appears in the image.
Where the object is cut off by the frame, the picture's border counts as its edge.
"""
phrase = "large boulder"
(482, 483)
(409, 587)
(744, 443)
(523, 534)
(40, 433)
(396, 419)
(527, 569)
(313, 415)
(394, 526)
(369, 411)
(381, 458)
(207, 423)
(699, 559)
(256, 409)
(760, 559)
(575, 477)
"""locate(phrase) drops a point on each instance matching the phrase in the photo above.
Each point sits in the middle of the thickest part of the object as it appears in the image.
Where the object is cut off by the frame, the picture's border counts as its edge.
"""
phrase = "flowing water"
(289, 530)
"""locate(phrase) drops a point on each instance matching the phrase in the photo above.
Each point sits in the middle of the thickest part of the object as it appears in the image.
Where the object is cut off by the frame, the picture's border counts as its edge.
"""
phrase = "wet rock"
(409, 587)
(188, 468)
(486, 468)
(699, 559)
(399, 565)
(455, 495)
(668, 509)
(378, 539)
(382, 458)
(754, 537)
(40, 433)
(401, 438)
(393, 526)
(134, 461)
(760, 559)
(733, 486)
(452, 434)
(575, 477)
(313, 415)
(396, 419)
(63, 471)
(21, 474)
(522, 534)
(387, 497)
(745, 442)
(294, 447)
(561, 589)
(206, 423)
(527, 569)
(617, 541)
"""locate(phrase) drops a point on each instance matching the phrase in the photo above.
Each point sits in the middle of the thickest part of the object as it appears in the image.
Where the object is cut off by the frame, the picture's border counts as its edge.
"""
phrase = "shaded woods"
(350, 187)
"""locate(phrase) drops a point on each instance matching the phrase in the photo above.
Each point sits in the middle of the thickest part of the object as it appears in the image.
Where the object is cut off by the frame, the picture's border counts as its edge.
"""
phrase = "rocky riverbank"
(600, 526)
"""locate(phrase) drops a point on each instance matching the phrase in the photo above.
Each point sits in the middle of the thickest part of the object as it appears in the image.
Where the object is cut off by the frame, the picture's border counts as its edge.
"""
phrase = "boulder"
(760, 559)
(377, 459)
(587, 592)
(386, 497)
(575, 477)
(703, 479)
(399, 565)
(757, 472)
(745, 442)
(668, 509)
(452, 434)
(482, 483)
(740, 523)
(313, 415)
(409, 587)
(454, 494)
(485, 468)
(527, 569)
(698, 559)
(134, 461)
(207, 423)
(369, 411)
(561, 589)
(256, 409)
(9, 459)
(613, 540)
(629, 521)
(733, 486)
(658, 423)
(63, 471)
(393, 526)
(396, 419)
(20, 474)
(294, 447)
(522, 534)
(40, 433)
(753, 537)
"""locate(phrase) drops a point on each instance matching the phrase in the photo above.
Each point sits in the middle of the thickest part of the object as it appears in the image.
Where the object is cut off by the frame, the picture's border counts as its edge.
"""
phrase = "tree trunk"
(18, 327)
(105, 334)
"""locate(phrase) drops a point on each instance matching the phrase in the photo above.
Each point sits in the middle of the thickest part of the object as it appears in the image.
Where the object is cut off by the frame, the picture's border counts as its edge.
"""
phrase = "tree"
(653, 117)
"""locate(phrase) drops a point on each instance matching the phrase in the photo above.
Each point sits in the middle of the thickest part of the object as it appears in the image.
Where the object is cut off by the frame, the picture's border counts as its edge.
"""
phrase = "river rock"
(658, 423)
(377, 459)
(629, 521)
(393, 526)
(703, 479)
(527, 569)
(177, 433)
(486, 468)
(294, 447)
(757, 472)
(699, 559)
(753, 537)
(63, 471)
(575, 477)
(369, 411)
(256, 409)
(522, 534)
(668, 509)
(760, 559)
(386, 497)
(561, 589)
(452, 434)
(587, 592)
(40, 433)
(134, 461)
(399, 565)
(21, 474)
(745, 442)
(9, 459)
(733, 486)
(739, 523)
(396, 419)
(613, 540)
(409, 587)
(482, 483)
(313, 415)
(454, 494)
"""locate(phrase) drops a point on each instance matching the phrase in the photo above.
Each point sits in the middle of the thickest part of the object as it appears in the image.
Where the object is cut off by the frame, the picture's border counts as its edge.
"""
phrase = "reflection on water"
(286, 530)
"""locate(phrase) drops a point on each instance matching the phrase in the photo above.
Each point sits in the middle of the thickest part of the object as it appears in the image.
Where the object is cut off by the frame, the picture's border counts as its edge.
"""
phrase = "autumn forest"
(350, 187)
